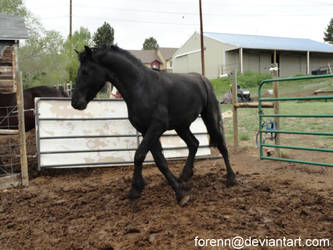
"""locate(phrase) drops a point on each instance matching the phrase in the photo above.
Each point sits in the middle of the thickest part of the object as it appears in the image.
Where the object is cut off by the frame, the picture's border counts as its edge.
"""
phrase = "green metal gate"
(263, 130)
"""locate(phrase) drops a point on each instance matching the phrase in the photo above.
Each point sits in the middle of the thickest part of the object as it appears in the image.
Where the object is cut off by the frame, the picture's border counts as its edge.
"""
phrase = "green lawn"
(250, 81)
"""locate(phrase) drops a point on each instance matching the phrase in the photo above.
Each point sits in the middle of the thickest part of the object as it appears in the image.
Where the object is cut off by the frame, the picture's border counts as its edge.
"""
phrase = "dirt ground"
(87, 208)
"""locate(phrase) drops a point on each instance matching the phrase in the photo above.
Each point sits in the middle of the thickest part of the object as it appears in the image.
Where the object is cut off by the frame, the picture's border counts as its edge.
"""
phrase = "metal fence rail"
(262, 115)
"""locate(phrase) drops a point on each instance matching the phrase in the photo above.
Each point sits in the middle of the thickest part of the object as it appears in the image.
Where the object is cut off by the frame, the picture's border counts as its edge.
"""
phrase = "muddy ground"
(86, 209)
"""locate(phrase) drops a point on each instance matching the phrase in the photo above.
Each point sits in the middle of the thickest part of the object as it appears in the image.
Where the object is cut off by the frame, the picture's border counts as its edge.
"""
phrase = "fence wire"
(10, 159)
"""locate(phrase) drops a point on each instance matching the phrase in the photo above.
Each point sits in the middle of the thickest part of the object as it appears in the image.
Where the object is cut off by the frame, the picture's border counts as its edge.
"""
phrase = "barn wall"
(292, 64)
(188, 57)
(256, 61)
(253, 60)
(215, 57)
(318, 60)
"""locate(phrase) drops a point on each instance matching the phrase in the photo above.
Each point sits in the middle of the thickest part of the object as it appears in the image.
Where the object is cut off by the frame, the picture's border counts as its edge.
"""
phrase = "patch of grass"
(221, 86)
(251, 80)
(245, 80)
(244, 137)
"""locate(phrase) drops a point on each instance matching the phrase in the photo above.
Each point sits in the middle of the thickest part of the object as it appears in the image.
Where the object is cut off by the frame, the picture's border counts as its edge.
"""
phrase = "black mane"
(83, 56)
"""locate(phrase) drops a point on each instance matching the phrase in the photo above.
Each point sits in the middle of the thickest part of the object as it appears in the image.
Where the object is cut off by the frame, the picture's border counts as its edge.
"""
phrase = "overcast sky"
(172, 22)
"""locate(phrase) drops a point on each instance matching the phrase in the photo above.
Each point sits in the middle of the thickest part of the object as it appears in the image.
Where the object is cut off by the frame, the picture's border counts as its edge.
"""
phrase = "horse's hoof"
(184, 200)
(133, 194)
(231, 182)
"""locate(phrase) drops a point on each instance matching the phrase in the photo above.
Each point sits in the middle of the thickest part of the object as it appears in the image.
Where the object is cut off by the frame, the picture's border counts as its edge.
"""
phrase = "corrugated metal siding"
(265, 62)
(251, 62)
(318, 61)
(290, 65)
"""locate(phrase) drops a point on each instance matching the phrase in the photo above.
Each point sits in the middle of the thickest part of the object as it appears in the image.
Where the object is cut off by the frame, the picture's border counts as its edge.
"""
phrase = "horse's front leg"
(162, 164)
(152, 134)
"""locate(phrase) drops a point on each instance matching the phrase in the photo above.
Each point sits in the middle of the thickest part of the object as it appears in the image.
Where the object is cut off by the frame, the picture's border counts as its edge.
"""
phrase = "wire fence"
(10, 158)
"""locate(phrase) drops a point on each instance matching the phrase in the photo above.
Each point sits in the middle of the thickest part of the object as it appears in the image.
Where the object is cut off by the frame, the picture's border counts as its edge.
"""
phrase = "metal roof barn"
(269, 42)
(251, 53)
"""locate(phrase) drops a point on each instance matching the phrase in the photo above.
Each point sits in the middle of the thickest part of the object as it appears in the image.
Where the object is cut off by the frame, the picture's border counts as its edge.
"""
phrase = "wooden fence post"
(21, 127)
(108, 89)
(234, 108)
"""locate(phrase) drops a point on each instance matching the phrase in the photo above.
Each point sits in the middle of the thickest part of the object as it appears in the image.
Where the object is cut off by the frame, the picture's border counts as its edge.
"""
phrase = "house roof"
(146, 56)
(167, 53)
(268, 42)
(12, 28)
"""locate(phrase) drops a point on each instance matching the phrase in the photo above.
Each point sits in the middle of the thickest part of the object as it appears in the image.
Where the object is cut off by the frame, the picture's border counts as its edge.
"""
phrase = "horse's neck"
(124, 74)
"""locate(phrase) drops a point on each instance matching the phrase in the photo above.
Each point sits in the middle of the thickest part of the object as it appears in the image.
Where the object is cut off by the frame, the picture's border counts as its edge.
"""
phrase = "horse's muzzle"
(79, 104)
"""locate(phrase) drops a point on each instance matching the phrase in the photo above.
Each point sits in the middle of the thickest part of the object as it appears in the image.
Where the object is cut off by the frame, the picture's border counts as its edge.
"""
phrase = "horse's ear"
(88, 51)
(77, 52)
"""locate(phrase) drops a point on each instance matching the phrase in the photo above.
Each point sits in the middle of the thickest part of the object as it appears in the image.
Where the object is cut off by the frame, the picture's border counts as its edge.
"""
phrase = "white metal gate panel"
(100, 135)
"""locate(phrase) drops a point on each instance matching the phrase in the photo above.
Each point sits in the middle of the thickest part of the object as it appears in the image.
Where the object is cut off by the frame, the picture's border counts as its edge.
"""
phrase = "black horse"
(156, 102)
(8, 111)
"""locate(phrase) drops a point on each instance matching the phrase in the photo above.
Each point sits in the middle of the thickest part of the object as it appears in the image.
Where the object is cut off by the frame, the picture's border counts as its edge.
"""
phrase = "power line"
(138, 21)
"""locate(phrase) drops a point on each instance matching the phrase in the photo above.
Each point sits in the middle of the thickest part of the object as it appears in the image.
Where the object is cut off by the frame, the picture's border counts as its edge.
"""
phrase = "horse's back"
(185, 96)
(45, 91)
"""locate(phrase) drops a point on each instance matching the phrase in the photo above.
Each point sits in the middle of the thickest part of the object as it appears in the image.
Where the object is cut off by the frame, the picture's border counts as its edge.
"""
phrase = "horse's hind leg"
(162, 164)
(192, 144)
(214, 126)
(231, 178)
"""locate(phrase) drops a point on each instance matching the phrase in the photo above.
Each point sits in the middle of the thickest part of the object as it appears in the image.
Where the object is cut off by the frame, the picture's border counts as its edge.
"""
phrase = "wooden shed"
(12, 29)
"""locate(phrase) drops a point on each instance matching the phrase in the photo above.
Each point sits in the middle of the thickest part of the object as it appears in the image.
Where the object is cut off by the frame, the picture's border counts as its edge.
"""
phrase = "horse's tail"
(211, 115)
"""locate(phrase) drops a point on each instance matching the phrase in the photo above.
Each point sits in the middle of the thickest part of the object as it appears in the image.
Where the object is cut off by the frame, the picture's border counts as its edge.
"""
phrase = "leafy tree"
(39, 56)
(17, 7)
(328, 35)
(41, 60)
(104, 35)
(79, 40)
(13, 7)
(150, 43)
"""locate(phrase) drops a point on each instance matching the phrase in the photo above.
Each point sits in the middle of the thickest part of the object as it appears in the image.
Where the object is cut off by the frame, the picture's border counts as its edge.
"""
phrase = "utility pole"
(70, 39)
(202, 42)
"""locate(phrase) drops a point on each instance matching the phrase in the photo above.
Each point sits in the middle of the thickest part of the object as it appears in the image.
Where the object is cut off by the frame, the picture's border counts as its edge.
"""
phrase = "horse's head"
(90, 79)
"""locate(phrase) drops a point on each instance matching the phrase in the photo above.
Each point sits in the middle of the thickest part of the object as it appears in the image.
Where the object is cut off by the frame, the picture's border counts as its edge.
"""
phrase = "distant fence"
(13, 154)
(66, 87)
